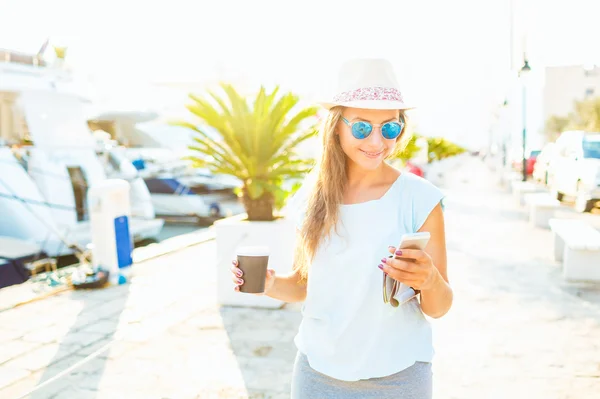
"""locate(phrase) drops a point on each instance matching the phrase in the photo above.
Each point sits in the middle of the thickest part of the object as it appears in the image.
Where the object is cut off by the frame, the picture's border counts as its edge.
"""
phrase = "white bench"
(520, 188)
(507, 178)
(541, 208)
(577, 245)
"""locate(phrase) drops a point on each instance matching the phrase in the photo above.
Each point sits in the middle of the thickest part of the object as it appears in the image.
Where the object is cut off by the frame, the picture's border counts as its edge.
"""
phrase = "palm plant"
(60, 52)
(438, 148)
(410, 149)
(255, 141)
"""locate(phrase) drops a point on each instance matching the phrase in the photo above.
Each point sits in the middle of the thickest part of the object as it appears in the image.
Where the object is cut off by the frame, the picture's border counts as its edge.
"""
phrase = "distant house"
(564, 85)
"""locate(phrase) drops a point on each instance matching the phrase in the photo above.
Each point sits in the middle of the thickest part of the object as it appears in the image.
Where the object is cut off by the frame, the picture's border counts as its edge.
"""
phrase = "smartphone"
(414, 241)
(401, 293)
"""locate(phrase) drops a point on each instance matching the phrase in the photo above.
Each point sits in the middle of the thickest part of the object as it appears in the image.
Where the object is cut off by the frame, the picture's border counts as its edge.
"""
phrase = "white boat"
(48, 161)
(16, 258)
(176, 188)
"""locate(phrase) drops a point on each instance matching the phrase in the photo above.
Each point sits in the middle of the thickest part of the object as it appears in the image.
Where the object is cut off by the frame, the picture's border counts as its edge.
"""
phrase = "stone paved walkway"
(516, 329)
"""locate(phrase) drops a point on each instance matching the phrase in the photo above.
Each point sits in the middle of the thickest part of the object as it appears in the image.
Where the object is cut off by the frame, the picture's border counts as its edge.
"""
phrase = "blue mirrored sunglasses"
(362, 130)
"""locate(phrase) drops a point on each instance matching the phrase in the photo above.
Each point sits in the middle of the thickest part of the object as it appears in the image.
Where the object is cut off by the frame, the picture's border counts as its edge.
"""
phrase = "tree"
(586, 116)
(555, 125)
(254, 141)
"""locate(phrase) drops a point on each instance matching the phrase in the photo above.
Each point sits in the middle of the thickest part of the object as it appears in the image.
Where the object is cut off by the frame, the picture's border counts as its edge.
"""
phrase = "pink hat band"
(369, 94)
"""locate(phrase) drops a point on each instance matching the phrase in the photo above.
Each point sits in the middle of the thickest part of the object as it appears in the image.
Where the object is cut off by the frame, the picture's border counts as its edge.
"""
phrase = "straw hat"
(367, 83)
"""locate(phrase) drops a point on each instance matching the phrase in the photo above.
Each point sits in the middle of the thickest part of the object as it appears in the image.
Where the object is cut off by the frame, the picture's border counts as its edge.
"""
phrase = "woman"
(352, 211)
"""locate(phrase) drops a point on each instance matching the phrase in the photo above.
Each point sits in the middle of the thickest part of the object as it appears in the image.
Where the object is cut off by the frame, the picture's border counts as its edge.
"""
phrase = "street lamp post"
(504, 144)
(525, 69)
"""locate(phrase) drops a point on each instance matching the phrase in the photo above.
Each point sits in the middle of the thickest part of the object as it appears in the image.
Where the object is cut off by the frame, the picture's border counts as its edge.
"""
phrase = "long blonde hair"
(328, 191)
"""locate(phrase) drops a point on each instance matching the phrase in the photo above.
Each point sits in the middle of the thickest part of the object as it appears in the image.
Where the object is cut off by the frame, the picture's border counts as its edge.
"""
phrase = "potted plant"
(255, 141)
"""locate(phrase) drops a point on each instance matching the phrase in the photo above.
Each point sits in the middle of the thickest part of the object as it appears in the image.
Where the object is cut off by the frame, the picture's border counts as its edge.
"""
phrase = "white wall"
(566, 84)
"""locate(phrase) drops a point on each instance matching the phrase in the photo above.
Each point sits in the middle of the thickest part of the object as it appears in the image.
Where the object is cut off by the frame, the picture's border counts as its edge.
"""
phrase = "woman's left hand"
(415, 268)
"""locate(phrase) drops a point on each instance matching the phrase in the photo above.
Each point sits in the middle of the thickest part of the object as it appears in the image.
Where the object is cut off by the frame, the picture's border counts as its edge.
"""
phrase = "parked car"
(575, 169)
(531, 161)
(540, 168)
(517, 164)
(415, 169)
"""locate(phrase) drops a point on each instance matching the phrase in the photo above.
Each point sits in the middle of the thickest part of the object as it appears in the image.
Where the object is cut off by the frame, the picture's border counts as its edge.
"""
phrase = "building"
(563, 85)
(552, 92)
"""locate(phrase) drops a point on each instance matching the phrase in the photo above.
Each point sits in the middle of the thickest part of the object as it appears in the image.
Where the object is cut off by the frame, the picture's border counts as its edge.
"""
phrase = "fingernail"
(234, 262)
(390, 247)
(239, 274)
(380, 266)
(384, 260)
(240, 280)
(398, 252)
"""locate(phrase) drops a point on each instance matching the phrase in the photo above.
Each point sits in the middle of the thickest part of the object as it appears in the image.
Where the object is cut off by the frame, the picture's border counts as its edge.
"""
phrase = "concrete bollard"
(108, 203)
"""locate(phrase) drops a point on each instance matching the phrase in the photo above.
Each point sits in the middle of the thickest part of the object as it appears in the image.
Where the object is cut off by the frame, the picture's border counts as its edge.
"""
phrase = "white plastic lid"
(254, 250)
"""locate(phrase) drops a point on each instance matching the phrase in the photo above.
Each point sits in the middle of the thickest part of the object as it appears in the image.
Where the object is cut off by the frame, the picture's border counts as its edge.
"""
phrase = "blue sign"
(123, 242)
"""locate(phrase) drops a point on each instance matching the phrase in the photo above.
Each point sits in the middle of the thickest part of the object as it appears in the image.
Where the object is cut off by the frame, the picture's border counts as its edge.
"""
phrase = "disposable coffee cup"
(253, 261)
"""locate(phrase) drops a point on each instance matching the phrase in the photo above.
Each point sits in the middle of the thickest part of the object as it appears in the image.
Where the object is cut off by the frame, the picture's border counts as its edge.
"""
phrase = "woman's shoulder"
(416, 185)
(421, 196)
(416, 189)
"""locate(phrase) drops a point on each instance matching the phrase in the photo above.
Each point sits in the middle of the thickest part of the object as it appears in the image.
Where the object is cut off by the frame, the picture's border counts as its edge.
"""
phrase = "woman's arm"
(288, 288)
(436, 300)
(425, 270)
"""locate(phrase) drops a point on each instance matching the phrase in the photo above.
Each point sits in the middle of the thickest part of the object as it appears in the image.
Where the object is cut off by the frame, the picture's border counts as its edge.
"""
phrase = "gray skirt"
(414, 382)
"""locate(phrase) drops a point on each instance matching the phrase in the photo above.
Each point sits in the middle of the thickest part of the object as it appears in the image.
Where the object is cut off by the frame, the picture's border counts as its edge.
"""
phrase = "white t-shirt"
(347, 331)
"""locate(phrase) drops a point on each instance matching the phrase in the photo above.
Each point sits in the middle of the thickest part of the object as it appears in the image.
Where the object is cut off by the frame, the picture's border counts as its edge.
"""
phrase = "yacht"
(157, 150)
(48, 160)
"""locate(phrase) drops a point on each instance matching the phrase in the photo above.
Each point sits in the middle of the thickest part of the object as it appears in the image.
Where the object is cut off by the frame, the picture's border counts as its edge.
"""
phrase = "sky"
(452, 57)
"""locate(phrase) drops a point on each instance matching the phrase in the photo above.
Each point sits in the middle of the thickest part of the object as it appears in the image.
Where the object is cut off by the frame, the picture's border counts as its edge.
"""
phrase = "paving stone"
(81, 339)
(104, 327)
(23, 320)
(10, 374)
(9, 335)
(47, 335)
(35, 380)
(75, 393)
(11, 349)
(42, 357)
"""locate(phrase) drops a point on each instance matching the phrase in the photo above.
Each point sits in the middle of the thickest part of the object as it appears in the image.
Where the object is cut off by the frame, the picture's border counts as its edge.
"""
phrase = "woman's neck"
(360, 177)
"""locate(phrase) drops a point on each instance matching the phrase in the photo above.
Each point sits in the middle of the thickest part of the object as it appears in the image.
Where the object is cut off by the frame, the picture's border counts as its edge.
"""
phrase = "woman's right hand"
(237, 276)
